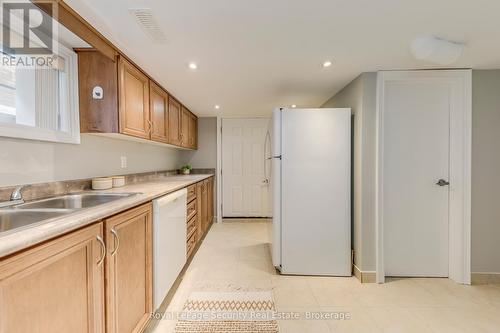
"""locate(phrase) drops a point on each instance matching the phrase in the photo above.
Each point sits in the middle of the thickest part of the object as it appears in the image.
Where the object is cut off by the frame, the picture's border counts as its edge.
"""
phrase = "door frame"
(460, 171)
(220, 194)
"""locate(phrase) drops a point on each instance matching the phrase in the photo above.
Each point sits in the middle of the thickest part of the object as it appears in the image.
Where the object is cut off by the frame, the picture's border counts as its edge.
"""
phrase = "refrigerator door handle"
(267, 139)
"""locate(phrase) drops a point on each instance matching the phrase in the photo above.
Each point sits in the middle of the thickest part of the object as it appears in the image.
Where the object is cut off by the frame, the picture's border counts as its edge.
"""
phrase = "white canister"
(103, 183)
(118, 181)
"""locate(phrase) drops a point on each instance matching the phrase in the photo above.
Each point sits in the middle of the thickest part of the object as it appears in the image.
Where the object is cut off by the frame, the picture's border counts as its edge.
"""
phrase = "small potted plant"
(186, 169)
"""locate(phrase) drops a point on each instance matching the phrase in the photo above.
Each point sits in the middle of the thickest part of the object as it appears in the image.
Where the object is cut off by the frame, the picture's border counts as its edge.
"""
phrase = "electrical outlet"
(123, 160)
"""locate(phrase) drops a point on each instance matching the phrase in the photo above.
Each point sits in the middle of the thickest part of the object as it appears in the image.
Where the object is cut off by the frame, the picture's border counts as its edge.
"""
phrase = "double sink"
(37, 211)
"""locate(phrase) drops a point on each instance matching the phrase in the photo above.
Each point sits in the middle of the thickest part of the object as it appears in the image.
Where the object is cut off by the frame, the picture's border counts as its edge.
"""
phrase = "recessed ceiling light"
(217, 106)
(193, 65)
(294, 106)
(327, 63)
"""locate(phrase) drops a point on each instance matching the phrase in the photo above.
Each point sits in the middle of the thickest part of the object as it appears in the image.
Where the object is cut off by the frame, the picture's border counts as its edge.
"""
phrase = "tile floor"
(235, 256)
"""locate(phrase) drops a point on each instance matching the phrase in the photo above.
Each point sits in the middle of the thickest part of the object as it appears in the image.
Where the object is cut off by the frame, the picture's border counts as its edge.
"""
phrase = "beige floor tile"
(235, 256)
(460, 319)
(290, 291)
(355, 320)
(405, 292)
(336, 291)
(398, 319)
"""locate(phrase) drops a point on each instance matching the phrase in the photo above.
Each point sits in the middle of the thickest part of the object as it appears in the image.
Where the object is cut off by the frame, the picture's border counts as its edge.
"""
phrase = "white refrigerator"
(311, 175)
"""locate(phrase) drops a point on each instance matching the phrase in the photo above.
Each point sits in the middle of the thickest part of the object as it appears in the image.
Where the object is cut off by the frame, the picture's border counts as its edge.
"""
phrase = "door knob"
(265, 181)
(442, 182)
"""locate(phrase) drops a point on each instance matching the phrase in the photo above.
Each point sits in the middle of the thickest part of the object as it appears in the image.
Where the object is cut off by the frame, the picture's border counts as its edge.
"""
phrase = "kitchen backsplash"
(46, 190)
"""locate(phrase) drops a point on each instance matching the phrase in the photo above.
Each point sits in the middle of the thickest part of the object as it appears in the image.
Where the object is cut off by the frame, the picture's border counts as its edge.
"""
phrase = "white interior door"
(416, 147)
(245, 192)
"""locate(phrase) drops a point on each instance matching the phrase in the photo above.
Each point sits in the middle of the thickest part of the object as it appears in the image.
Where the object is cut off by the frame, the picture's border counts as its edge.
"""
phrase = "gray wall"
(206, 155)
(360, 95)
(486, 171)
(26, 161)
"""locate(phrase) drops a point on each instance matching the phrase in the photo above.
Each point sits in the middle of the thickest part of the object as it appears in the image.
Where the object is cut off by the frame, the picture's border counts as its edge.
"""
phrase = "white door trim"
(460, 172)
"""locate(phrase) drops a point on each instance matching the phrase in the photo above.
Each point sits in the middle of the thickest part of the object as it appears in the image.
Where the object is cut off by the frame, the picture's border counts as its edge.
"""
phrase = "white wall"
(26, 161)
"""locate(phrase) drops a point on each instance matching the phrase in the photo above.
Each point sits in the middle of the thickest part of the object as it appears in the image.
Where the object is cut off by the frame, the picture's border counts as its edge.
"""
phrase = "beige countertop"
(21, 238)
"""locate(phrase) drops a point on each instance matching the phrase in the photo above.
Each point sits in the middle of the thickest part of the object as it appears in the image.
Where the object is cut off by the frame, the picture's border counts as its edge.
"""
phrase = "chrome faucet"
(16, 198)
(16, 194)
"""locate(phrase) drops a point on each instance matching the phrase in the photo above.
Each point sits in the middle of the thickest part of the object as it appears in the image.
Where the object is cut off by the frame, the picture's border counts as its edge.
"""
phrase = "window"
(39, 101)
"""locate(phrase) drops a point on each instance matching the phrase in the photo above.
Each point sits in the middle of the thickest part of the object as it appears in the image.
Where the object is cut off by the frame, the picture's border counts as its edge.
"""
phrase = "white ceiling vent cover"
(144, 17)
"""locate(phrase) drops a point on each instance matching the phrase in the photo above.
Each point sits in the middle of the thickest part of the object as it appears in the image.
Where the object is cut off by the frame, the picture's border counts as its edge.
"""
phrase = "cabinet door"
(134, 100)
(174, 121)
(55, 287)
(97, 115)
(193, 131)
(129, 270)
(210, 200)
(159, 113)
(204, 206)
(199, 213)
(185, 115)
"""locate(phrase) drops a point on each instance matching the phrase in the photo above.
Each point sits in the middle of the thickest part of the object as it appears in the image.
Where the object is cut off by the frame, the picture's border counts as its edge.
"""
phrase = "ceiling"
(256, 55)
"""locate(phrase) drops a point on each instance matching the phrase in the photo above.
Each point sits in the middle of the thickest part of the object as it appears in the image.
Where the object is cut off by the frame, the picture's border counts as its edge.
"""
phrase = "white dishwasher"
(169, 242)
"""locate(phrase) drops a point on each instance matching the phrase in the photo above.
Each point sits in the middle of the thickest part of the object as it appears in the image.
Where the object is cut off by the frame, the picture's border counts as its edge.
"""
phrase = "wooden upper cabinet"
(193, 131)
(129, 270)
(189, 129)
(55, 287)
(97, 115)
(158, 99)
(131, 103)
(133, 87)
(174, 121)
(185, 116)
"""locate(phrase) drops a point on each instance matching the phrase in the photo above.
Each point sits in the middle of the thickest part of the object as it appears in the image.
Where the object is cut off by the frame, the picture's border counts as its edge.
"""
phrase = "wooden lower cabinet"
(129, 270)
(204, 207)
(94, 280)
(199, 217)
(56, 287)
(210, 200)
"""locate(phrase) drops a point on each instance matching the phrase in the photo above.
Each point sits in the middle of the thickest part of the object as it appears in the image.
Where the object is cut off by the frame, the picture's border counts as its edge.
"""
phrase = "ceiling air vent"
(144, 17)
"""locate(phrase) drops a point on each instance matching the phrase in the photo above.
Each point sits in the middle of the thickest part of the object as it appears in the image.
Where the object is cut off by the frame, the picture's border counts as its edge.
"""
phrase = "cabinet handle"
(103, 250)
(150, 126)
(117, 241)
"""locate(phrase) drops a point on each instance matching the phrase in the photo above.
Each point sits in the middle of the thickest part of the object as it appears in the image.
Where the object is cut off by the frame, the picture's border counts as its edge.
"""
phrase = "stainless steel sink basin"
(75, 201)
(13, 218)
(38, 211)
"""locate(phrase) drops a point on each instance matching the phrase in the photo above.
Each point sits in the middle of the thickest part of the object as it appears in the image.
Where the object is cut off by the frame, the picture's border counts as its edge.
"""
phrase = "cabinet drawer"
(191, 227)
(191, 210)
(191, 192)
(191, 243)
